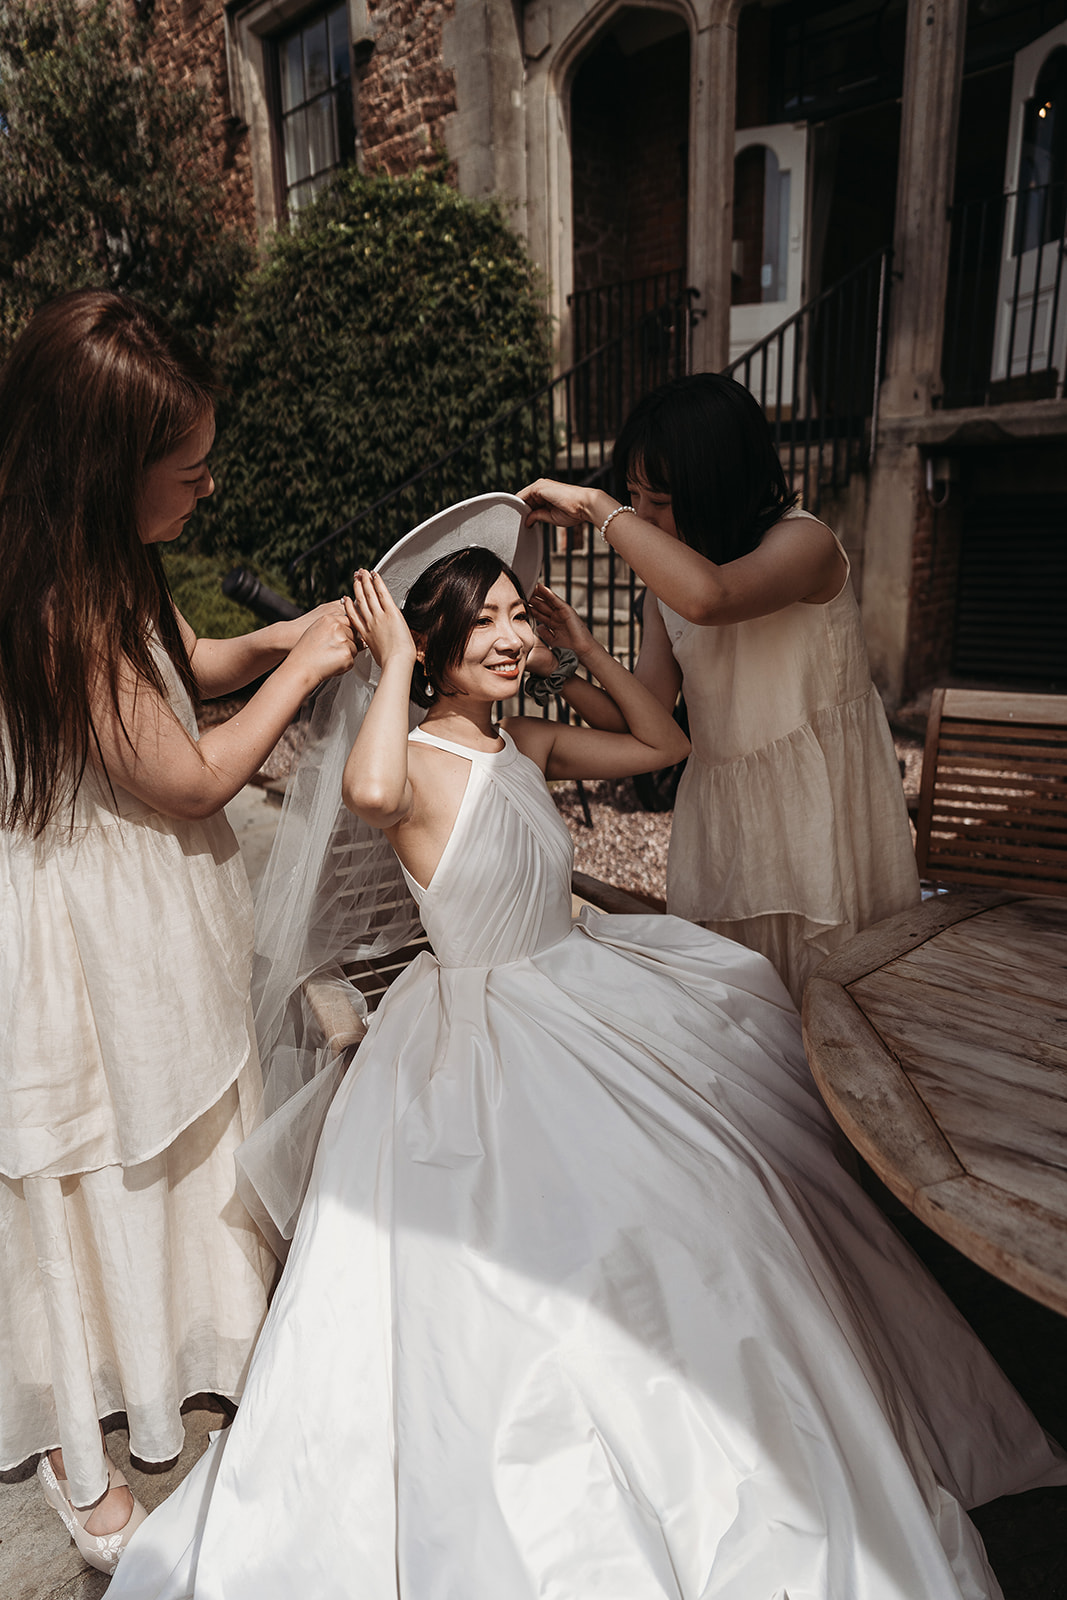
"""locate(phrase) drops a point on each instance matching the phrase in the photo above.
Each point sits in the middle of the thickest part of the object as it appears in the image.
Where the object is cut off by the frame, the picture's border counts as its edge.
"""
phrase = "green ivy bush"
(391, 322)
(101, 180)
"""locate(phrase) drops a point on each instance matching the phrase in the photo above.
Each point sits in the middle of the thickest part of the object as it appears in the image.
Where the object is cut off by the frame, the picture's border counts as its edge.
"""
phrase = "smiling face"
(173, 485)
(499, 642)
(653, 505)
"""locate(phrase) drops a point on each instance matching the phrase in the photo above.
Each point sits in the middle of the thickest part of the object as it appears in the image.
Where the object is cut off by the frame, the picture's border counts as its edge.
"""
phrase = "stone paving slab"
(38, 1558)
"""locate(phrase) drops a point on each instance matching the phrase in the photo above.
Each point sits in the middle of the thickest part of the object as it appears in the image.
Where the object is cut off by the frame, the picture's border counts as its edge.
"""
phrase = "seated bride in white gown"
(579, 1302)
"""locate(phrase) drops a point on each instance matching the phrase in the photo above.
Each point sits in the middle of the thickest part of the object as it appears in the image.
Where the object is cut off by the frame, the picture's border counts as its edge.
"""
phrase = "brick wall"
(658, 177)
(189, 43)
(404, 93)
(598, 140)
(630, 138)
(753, 67)
(935, 560)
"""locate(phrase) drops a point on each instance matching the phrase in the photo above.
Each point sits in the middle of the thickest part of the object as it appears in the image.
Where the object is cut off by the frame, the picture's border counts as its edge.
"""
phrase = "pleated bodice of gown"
(580, 1303)
(502, 888)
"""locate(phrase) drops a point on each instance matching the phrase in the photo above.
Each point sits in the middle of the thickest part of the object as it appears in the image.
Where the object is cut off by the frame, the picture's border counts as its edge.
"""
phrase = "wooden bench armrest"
(340, 1021)
(606, 897)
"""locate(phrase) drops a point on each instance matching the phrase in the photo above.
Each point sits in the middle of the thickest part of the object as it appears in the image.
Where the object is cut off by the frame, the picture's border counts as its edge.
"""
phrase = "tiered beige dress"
(132, 1277)
(790, 829)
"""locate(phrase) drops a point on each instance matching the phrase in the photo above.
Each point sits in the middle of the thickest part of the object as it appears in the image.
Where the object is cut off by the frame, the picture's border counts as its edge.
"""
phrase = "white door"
(770, 166)
(1031, 324)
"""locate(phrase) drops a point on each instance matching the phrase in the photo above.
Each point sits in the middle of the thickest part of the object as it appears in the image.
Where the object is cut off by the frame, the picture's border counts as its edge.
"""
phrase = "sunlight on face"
(499, 642)
(173, 486)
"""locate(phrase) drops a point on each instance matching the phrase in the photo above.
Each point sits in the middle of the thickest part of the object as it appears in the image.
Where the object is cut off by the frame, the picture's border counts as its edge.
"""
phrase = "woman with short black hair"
(790, 830)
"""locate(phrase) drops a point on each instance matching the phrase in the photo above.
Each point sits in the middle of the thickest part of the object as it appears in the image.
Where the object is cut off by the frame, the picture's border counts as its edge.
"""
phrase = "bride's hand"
(375, 616)
(559, 626)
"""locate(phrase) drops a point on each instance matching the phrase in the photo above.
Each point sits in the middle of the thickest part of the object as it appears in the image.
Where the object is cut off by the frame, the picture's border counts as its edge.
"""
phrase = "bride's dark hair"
(441, 609)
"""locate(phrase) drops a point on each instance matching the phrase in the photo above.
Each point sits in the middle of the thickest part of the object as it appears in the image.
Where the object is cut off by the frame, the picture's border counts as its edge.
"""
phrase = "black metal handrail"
(817, 377)
(992, 290)
(566, 428)
(606, 310)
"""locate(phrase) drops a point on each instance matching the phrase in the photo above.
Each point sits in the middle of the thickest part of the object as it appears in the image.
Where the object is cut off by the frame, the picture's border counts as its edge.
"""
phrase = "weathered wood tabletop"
(938, 1040)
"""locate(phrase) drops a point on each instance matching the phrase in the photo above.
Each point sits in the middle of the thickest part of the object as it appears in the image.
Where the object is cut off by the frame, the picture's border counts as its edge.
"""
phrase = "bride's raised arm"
(375, 784)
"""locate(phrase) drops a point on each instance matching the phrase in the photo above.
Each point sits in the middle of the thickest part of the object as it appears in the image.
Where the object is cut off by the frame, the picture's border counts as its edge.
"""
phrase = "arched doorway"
(768, 242)
(629, 127)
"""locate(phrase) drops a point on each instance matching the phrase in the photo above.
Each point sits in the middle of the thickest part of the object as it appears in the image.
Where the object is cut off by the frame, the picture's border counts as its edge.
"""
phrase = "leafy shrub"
(101, 180)
(393, 320)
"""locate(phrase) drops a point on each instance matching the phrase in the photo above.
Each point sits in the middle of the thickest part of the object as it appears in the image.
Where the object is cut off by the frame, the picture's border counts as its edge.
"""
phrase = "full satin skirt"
(580, 1304)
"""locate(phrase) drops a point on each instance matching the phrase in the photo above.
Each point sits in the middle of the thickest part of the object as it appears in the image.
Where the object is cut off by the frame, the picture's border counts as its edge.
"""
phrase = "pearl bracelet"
(603, 529)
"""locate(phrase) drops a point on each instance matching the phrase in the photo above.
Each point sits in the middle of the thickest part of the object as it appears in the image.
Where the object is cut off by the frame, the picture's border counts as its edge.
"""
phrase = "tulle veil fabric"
(333, 893)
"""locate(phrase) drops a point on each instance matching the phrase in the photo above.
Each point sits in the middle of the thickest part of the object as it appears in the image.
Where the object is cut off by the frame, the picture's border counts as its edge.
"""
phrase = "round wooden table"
(938, 1040)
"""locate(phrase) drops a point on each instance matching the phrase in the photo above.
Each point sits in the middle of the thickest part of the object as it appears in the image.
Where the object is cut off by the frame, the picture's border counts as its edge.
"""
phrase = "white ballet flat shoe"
(100, 1550)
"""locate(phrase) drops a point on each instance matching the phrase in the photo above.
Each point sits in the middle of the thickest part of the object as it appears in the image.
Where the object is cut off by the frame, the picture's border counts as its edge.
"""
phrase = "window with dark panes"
(316, 124)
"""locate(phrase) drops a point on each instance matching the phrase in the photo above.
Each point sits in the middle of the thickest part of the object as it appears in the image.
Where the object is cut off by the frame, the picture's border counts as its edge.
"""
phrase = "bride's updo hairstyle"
(442, 606)
(705, 441)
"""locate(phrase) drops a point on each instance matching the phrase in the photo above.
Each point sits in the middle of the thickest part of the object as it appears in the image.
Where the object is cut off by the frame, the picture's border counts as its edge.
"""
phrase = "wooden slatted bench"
(993, 803)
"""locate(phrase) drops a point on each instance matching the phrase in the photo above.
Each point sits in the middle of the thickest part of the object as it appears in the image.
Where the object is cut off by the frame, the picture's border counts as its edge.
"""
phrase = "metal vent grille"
(1011, 608)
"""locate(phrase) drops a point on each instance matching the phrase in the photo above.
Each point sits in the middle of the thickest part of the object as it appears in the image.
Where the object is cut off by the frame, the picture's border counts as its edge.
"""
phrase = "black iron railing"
(604, 312)
(1006, 307)
(817, 377)
(566, 430)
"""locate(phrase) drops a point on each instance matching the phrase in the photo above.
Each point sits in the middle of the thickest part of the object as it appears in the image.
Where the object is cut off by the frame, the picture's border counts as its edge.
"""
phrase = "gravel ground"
(626, 845)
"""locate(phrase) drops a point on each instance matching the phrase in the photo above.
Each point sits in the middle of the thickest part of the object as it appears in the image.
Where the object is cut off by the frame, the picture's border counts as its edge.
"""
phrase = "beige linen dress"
(132, 1276)
(790, 829)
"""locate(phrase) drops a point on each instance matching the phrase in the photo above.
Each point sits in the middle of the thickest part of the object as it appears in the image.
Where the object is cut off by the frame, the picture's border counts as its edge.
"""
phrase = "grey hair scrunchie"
(542, 689)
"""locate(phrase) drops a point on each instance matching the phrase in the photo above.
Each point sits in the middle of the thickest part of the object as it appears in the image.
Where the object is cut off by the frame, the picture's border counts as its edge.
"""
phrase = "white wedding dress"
(580, 1303)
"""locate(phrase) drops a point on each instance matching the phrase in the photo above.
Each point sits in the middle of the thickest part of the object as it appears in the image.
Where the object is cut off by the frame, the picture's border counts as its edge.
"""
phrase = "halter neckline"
(425, 736)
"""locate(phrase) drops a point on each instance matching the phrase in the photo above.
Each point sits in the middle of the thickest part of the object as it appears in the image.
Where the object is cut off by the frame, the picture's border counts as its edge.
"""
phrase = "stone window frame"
(251, 28)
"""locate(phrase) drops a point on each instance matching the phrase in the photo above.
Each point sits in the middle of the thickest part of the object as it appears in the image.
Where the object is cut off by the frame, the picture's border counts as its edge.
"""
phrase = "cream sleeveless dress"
(579, 1302)
(132, 1277)
(790, 829)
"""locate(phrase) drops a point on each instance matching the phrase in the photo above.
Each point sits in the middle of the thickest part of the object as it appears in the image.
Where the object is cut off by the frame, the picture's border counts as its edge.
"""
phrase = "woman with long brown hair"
(128, 1066)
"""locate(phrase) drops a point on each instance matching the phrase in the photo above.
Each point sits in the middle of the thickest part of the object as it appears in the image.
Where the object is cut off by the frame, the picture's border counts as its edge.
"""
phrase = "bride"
(579, 1303)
